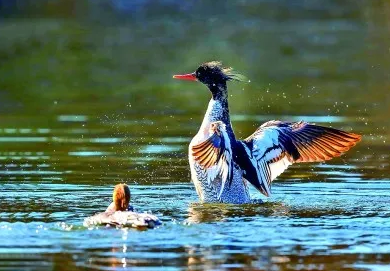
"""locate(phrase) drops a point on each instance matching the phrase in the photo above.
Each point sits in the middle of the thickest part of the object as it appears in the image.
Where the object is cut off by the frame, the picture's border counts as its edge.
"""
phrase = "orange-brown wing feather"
(205, 153)
(275, 145)
(316, 143)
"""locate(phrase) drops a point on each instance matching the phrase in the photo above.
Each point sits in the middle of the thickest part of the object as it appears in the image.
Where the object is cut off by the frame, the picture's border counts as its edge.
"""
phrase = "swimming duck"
(221, 166)
(120, 213)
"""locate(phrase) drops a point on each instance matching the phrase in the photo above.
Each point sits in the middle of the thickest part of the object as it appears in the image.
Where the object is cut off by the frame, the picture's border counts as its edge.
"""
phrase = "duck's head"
(121, 197)
(213, 75)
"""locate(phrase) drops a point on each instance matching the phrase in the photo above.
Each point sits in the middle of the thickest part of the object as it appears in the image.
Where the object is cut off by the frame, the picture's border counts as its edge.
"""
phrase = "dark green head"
(212, 74)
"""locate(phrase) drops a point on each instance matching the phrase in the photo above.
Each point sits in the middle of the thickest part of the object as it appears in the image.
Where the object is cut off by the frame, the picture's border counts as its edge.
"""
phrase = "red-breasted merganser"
(221, 166)
(121, 214)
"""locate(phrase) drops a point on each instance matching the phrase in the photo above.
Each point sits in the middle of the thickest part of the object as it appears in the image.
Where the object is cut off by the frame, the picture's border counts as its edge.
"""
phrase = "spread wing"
(276, 145)
(215, 156)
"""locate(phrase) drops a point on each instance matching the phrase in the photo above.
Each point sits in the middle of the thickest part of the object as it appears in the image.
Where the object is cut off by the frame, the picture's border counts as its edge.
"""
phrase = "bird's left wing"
(275, 145)
(215, 155)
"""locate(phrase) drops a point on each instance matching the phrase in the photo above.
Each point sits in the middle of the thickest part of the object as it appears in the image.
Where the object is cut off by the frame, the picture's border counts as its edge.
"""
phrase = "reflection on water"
(201, 213)
(87, 101)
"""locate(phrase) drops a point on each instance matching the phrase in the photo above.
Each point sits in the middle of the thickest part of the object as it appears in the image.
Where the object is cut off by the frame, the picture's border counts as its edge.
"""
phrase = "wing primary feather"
(205, 157)
(201, 145)
(202, 152)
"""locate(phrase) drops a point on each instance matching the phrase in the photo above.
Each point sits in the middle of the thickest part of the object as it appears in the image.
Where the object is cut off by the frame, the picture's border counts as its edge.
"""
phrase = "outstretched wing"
(215, 156)
(276, 145)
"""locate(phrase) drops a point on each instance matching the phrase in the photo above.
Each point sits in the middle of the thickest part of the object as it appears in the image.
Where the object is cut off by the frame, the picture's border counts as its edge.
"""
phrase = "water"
(87, 101)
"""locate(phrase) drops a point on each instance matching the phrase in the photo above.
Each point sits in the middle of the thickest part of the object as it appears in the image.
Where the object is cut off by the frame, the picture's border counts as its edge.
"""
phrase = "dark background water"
(87, 100)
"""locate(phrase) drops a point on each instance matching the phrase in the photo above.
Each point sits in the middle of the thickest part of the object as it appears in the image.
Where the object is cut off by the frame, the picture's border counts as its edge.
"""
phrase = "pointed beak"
(188, 76)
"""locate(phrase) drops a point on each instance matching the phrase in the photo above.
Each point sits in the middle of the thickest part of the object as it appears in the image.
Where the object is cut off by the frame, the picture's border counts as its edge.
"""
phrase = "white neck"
(214, 113)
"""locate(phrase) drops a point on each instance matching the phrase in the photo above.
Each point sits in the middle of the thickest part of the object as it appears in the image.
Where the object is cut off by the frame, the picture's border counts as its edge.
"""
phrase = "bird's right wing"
(276, 145)
(215, 156)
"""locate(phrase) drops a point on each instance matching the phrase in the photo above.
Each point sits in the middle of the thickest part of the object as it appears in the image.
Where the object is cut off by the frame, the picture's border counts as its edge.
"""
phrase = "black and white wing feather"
(275, 145)
(215, 155)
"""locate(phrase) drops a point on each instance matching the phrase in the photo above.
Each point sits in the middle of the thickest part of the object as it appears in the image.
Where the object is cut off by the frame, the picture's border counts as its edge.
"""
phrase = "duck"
(121, 214)
(222, 166)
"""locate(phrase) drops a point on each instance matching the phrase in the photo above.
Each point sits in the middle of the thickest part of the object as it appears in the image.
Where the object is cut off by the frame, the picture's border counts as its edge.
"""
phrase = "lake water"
(87, 101)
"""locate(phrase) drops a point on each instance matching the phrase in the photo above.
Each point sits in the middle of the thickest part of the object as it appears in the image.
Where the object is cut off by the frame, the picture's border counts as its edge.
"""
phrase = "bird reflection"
(210, 212)
(213, 257)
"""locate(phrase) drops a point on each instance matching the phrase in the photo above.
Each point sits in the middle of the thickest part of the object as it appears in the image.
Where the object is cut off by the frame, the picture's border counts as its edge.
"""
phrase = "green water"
(87, 100)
